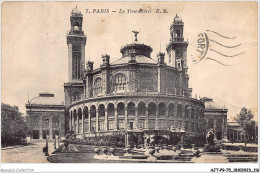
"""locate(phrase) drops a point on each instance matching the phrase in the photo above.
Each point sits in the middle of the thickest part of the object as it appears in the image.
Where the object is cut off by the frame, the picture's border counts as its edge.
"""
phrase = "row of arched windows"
(92, 113)
(119, 83)
(130, 110)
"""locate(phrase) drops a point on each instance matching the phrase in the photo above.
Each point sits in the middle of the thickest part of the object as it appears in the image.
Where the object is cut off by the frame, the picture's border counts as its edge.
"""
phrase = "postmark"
(214, 46)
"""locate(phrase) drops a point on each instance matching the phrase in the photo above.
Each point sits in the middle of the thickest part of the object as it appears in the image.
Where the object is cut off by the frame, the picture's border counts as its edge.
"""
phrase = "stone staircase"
(242, 157)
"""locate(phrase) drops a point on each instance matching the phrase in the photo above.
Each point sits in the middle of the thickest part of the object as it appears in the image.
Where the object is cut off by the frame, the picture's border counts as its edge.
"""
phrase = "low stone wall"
(238, 147)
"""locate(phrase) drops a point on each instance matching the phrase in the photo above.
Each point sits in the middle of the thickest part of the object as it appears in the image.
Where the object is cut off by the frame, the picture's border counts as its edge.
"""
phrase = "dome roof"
(140, 59)
(46, 99)
(137, 49)
(75, 11)
(210, 104)
(177, 19)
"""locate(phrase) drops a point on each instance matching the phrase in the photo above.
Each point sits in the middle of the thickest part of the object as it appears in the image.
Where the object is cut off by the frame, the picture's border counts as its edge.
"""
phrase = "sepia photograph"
(130, 82)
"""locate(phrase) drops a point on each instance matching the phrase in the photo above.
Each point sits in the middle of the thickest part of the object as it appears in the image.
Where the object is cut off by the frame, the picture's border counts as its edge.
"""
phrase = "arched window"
(131, 109)
(151, 109)
(111, 110)
(171, 110)
(141, 109)
(101, 110)
(178, 33)
(76, 96)
(79, 114)
(85, 112)
(55, 122)
(119, 82)
(35, 122)
(76, 26)
(162, 109)
(120, 109)
(97, 86)
(93, 111)
(44, 122)
(179, 110)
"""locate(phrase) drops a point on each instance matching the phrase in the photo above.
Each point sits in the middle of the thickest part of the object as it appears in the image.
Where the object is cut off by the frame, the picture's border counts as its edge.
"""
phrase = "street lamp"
(47, 136)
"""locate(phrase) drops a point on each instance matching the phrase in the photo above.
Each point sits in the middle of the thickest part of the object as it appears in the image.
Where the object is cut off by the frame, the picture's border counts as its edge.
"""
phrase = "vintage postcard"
(129, 82)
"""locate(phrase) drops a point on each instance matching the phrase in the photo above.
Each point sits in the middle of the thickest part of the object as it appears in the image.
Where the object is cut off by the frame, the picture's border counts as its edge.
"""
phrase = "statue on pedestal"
(210, 138)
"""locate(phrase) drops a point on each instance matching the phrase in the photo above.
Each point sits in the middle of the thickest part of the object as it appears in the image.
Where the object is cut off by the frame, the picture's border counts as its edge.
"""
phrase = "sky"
(34, 55)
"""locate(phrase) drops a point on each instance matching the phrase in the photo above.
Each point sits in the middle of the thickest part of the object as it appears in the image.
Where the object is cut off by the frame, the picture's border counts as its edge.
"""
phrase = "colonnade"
(108, 117)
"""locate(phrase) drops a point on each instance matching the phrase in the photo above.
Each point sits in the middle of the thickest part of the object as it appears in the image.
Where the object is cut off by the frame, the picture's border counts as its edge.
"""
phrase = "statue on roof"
(136, 33)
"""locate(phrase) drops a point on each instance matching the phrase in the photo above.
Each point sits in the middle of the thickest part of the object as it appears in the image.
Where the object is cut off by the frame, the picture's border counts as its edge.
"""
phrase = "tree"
(13, 126)
(245, 120)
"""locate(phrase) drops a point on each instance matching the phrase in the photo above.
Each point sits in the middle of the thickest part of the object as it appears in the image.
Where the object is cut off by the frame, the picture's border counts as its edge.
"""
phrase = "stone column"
(233, 136)
(207, 125)
(97, 119)
(106, 120)
(167, 117)
(69, 122)
(225, 127)
(40, 132)
(61, 132)
(126, 117)
(136, 117)
(237, 136)
(77, 130)
(146, 118)
(175, 111)
(72, 119)
(83, 123)
(89, 122)
(71, 127)
(156, 118)
(75, 123)
(116, 119)
(215, 129)
(50, 127)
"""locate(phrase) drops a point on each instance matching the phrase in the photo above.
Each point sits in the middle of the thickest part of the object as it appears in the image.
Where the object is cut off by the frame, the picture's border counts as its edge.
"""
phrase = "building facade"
(235, 133)
(216, 119)
(45, 116)
(135, 92)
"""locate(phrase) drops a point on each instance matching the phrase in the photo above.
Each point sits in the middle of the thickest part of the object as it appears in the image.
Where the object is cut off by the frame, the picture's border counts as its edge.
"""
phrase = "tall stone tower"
(177, 54)
(76, 41)
(177, 48)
